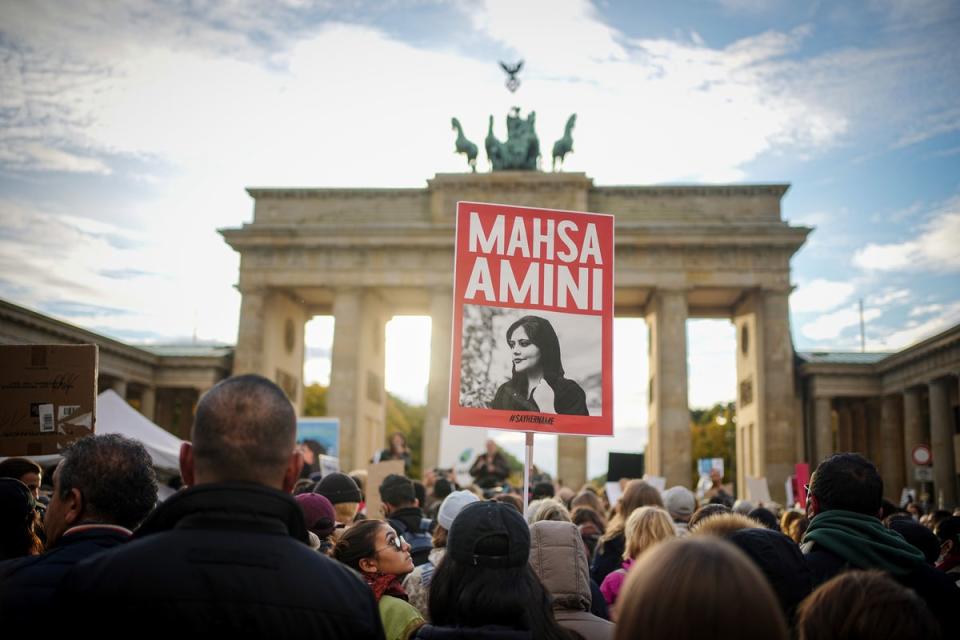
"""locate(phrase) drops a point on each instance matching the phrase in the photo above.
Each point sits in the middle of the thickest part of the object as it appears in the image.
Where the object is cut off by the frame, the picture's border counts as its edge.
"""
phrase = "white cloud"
(820, 295)
(888, 296)
(926, 310)
(934, 249)
(897, 339)
(831, 325)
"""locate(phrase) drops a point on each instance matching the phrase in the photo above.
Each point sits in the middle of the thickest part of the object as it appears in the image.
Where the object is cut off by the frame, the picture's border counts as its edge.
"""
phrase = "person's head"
(449, 509)
(491, 447)
(102, 479)
(342, 491)
(646, 527)
(19, 520)
(318, 513)
(723, 524)
(442, 488)
(543, 490)
(636, 494)
(794, 524)
(865, 605)
(591, 500)
(716, 476)
(916, 534)
(551, 509)
(846, 481)
(510, 499)
(782, 563)
(312, 450)
(485, 577)
(244, 431)
(948, 534)
(765, 517)
(398, 442)
(534, 348)
(707, 511)
(397, 492)
(373, 547)
(26, 471)
(712, 589)
(680, 503)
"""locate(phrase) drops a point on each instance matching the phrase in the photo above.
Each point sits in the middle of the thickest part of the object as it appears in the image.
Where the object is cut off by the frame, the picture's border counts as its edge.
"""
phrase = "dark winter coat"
(221, 560)
(28, 585)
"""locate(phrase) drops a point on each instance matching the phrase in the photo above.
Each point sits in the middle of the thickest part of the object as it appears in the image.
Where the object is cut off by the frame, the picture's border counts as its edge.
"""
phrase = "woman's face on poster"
(526, 355)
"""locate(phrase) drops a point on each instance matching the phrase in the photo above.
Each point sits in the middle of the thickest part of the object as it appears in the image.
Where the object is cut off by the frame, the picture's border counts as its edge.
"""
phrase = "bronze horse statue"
(564, 145)
(465, 146)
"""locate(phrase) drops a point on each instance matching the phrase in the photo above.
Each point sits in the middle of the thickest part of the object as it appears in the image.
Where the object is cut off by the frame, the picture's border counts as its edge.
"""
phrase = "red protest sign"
(533, 320)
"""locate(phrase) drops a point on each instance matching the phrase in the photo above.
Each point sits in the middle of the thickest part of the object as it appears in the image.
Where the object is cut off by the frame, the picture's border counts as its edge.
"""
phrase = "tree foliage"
(714, 435)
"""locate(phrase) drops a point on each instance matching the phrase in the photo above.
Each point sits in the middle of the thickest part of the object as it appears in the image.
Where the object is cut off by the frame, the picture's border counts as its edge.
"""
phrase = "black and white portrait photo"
(540, 361)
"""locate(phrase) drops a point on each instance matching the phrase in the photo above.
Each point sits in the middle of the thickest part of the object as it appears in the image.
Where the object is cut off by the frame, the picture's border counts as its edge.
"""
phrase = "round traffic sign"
(921, 455)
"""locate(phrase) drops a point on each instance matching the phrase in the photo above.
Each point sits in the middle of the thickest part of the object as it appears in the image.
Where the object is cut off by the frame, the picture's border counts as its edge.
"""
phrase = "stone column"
(845, 428)
(120, 387)
(778, 452)
(861, 434)
(941, 445)
(669, 448)
(148, 402)
(891, 448)
(356, 394)
(438, 387)
(912, 432)
(572, 461)
(248, 356)
(823, 429)
(270, 339)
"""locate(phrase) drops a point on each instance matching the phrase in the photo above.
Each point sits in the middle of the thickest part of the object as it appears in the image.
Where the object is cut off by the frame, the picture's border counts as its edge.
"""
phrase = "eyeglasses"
(397, 543)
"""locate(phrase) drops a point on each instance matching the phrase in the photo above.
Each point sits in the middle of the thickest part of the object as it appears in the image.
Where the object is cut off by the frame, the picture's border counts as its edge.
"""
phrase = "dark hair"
(315, 447)
(442, 488)
(115, 476)
(847, 481)
(244, 430)
(463, 595)
(421, 492)
(765, 517)
(358, 542)
(865, 605)
(16, 468)
(19, 520)
(636, 494)
(543, 490)
(397, 490)
(541, 333)
(949, 529)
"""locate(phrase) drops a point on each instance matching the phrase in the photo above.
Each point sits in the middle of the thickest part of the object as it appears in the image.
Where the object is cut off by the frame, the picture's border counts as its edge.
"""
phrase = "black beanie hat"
(338, 487)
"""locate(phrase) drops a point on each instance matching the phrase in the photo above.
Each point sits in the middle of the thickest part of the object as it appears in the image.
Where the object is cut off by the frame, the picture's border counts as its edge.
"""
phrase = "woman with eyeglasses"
(382, 557)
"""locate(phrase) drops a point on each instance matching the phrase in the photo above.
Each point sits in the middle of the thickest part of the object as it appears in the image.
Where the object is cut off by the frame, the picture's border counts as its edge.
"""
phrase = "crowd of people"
(249, 547)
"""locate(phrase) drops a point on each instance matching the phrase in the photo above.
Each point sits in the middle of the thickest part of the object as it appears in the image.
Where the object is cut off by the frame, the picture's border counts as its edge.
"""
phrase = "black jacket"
(28, 585)
(934, 587)
(609, 558)
(491, 632)
(225, 560)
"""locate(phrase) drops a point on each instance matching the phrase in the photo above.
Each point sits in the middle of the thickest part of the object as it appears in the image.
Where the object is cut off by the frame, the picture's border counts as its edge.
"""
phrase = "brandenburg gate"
(364, 255)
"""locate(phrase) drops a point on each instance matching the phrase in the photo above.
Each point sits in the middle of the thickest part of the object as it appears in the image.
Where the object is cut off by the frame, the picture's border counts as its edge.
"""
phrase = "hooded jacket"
(227, 559)
(559, 559)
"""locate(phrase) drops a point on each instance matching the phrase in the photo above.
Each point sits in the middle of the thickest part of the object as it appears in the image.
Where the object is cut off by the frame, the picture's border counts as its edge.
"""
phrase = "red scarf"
(385, 584)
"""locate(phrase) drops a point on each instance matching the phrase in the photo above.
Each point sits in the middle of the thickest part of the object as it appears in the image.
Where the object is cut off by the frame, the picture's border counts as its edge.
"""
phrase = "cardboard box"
(48, 397)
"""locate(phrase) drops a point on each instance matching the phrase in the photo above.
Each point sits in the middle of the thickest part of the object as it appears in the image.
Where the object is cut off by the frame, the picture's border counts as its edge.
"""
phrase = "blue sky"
(128, 131)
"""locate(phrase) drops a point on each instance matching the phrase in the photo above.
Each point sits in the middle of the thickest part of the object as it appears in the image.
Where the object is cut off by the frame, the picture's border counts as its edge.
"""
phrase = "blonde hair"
(346, 512)
(713, 589)
(636, 494)
(645, 527)
(550, 509)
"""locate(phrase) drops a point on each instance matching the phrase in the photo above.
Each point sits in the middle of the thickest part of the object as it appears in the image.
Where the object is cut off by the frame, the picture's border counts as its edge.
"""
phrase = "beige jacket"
(560, 561)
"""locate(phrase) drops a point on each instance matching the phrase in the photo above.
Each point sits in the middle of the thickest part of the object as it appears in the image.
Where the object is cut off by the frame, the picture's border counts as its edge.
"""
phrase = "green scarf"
(863, 542)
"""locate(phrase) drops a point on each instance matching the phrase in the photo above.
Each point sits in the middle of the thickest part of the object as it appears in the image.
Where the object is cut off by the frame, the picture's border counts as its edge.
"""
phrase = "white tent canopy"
(114, 415)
